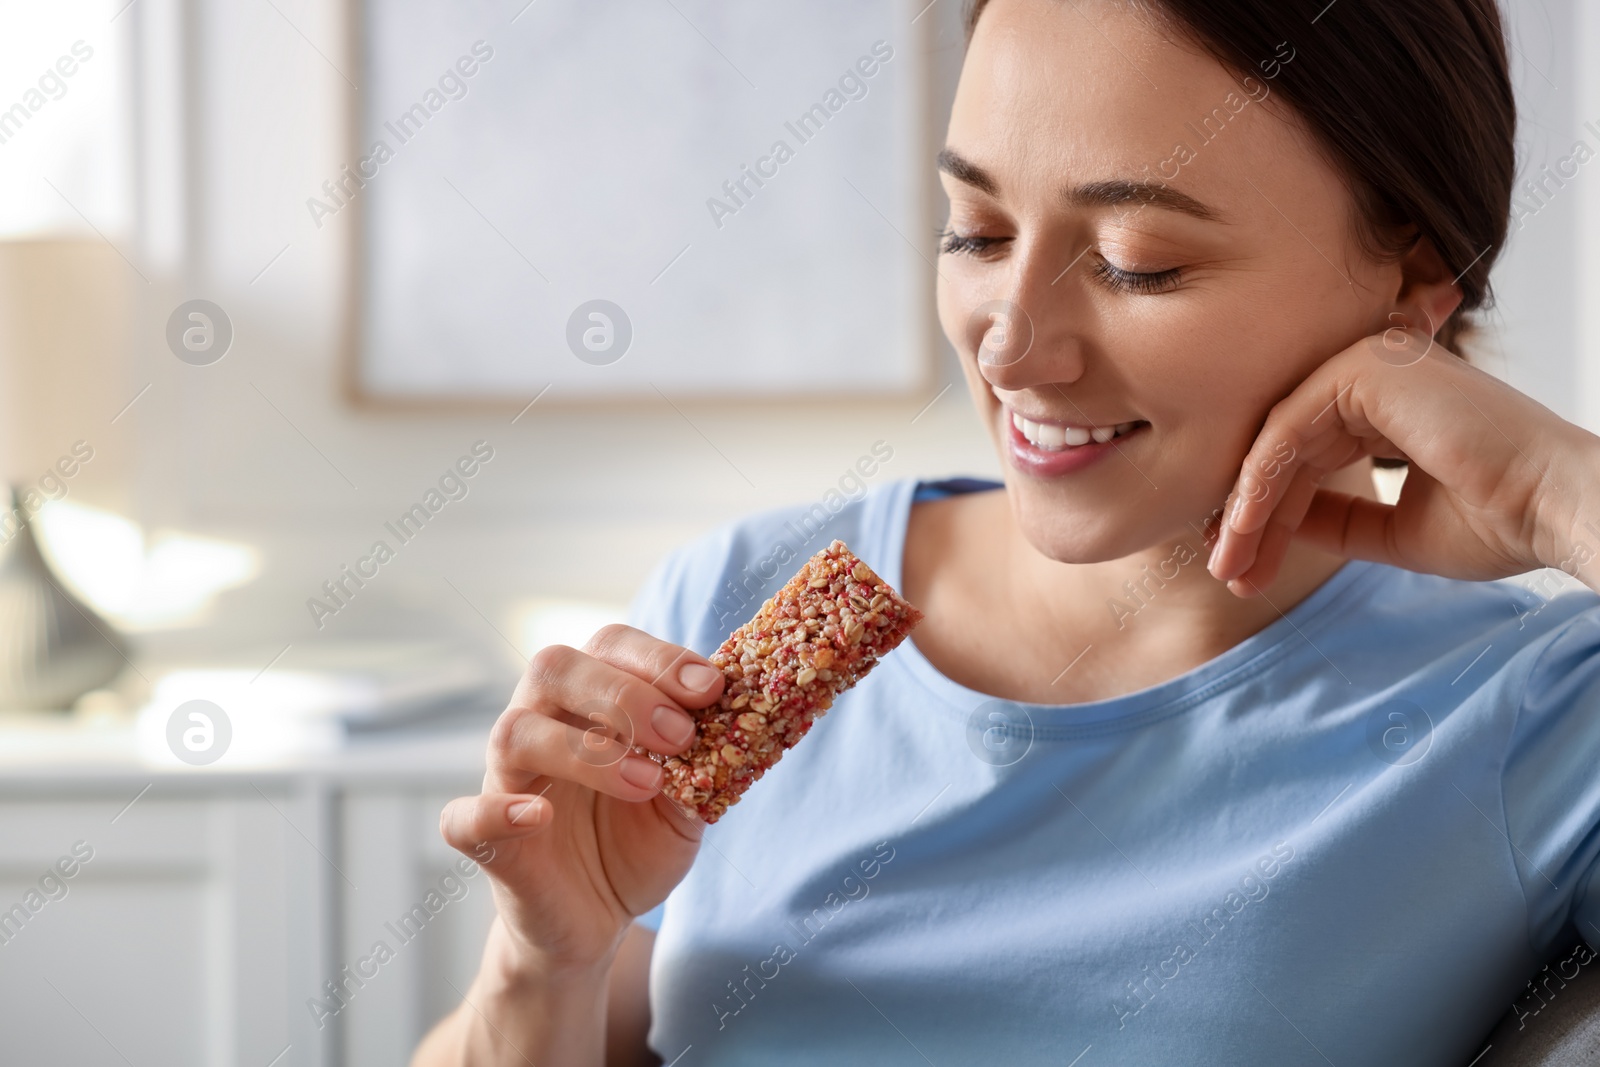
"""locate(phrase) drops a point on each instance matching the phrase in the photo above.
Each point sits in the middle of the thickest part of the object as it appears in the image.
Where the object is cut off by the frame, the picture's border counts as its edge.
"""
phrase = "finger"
(685, 676)
(1327, 421)
(1351, 526)
(529, 742)
(1260, 574)
(1274, 463)
(609, 698)
(1261, 551)
(1306, 436)
(472, 825)
(1278, 454)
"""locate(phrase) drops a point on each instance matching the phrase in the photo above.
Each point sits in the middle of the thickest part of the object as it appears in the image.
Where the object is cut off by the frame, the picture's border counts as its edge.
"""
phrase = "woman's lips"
(1033, 447)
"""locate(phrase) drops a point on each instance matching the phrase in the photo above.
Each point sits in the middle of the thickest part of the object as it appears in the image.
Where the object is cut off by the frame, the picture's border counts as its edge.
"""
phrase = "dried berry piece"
(818, 636)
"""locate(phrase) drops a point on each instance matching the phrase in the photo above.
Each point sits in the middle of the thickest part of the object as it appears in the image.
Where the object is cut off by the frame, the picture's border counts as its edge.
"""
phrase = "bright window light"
(65, 119)
(562, 622)
(169, 583)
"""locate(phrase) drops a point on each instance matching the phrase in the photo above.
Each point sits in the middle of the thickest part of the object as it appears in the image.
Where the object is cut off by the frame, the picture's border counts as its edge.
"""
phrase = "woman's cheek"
(962, 286)
(948, 296)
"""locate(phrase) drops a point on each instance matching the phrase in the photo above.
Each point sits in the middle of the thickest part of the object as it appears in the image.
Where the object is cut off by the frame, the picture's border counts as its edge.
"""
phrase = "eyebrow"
(1109, 192)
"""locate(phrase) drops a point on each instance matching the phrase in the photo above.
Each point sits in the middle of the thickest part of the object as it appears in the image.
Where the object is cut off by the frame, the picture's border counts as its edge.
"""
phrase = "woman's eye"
(1113, 277)
(1127, 281)
(955, 244)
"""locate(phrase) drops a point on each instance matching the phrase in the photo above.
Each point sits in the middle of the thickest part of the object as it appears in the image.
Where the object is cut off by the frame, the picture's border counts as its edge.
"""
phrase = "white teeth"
(1053, 438)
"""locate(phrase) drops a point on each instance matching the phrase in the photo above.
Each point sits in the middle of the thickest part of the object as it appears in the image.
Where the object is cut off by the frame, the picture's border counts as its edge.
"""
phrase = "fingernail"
(672, 724)
(1238, 506)
(518, 810)
(697, 676)
(636, 770)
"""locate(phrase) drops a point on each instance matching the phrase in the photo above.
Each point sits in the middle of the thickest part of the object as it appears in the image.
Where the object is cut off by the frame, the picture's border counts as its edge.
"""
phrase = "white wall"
(1586, 42)
(1546, 278)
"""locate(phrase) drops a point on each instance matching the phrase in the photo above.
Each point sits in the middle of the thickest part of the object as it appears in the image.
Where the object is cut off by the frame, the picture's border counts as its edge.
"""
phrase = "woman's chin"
(1074, 533)
(1065, 536)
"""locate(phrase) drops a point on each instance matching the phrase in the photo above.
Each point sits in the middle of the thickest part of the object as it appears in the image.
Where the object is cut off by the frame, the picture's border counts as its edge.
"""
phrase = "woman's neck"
(1005, 620)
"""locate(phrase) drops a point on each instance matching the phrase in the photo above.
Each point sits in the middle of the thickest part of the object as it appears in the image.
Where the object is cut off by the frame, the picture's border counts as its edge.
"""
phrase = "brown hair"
(1412, 100)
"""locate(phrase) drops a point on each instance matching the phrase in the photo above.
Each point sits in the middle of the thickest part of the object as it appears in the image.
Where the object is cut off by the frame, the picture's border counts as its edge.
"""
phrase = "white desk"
(222, 899)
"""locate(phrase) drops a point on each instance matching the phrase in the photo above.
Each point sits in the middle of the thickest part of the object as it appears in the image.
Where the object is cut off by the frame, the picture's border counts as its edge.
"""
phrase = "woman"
(1320, 796)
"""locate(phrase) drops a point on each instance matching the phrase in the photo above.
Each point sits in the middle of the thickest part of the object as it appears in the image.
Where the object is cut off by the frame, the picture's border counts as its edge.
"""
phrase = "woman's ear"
(1428, 293)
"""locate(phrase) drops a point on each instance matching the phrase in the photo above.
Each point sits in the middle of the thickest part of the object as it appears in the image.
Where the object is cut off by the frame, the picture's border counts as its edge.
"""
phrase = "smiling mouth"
(1056, 437)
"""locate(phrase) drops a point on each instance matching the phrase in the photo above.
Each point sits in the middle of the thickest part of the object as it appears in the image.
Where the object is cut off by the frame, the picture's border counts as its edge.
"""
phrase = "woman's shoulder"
(1518, 635)
(704, 589)
(1534, 604)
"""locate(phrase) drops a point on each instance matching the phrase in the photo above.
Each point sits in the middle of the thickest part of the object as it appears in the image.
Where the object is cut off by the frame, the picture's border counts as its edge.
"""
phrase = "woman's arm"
(628, 1006)
(1498, 484)
(551, 1017)
(518, 1013)
(1575, 529)
(577, 840)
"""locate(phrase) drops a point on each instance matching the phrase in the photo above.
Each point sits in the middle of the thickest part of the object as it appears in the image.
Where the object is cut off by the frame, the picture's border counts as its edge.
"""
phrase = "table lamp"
(63, 319)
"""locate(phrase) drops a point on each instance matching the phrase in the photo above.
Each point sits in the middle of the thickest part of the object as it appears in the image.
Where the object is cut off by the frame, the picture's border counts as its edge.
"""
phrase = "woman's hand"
(1498, 484)
(583, 840)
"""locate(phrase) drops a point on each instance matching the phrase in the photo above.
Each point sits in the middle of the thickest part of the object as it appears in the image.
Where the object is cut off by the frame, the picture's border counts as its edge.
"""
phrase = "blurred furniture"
(218, 902)
(53, 647)
(1556, 1023)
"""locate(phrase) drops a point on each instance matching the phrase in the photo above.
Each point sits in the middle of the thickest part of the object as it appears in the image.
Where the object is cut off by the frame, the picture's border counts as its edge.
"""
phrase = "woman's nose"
(1028, 335)
(1002, 333)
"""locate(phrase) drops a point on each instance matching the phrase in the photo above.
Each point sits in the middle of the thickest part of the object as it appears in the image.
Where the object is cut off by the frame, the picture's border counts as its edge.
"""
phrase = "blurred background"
(523, 291)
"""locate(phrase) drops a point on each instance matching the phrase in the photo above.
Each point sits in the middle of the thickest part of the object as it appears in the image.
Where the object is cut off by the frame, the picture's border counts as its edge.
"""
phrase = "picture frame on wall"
(771, 166)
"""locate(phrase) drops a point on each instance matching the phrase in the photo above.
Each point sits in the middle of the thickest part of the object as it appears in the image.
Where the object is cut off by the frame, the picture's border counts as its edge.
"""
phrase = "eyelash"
(954, 244)
(1128, 281)
(1117, 279)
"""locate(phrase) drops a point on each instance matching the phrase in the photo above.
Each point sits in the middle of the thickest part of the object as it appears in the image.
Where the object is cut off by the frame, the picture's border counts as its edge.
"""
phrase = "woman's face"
(1138, 236)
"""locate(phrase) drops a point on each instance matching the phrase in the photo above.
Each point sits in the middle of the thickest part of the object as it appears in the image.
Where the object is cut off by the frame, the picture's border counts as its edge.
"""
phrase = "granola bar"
(818, 636)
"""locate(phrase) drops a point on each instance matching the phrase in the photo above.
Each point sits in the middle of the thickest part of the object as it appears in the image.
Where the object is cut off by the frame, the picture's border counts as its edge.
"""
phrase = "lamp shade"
(66, 310)
(64, 325)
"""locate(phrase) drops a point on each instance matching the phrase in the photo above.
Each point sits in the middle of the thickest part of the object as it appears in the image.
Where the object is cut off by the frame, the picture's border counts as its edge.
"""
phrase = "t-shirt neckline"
(1233, 667)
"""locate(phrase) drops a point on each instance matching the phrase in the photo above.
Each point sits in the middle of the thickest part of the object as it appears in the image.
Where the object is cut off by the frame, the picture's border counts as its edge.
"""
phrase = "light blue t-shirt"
(1351, 838)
